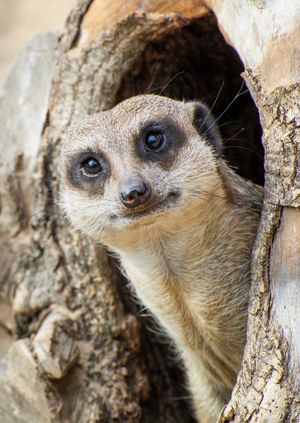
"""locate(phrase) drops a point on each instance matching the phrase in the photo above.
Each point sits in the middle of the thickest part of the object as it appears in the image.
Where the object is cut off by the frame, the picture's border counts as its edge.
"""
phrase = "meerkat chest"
(171, 287)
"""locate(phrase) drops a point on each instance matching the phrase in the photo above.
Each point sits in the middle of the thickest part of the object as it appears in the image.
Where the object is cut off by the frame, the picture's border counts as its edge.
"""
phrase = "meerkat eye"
(154, 141)
(91, 167)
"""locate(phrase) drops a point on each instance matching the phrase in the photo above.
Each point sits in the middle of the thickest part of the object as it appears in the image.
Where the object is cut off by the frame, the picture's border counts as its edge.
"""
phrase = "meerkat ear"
(203, 121)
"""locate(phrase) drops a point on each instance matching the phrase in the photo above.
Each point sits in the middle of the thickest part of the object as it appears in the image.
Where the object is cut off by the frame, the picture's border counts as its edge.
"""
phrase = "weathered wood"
(285, 277)
(104, 14)
(56, 269)
(268, 384)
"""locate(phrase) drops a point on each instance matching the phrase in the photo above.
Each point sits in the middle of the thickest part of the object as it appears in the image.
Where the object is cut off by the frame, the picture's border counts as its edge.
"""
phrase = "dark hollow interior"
(195, 63)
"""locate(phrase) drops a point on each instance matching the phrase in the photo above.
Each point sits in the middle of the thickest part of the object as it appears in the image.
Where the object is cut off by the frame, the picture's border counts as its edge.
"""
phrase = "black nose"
(134, 194)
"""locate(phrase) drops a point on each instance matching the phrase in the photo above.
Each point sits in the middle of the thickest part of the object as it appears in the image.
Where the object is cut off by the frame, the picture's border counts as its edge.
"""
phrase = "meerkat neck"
(169, 263)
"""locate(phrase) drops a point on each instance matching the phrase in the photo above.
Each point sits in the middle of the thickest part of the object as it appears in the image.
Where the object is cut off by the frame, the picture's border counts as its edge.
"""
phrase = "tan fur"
(190, 263)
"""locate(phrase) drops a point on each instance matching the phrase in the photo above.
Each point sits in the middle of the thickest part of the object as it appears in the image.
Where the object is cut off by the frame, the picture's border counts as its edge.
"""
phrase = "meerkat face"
(142, 162)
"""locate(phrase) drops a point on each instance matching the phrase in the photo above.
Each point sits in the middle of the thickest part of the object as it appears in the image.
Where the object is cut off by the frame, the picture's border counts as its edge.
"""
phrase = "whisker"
(214, 103)
(239, 93)
(229, 122)
(153, 77)
(234, 135)
(242, 147)
(171, 80)
(132, 84)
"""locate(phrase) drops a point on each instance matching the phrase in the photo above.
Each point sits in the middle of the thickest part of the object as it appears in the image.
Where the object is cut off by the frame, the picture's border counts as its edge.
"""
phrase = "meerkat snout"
(134, 192)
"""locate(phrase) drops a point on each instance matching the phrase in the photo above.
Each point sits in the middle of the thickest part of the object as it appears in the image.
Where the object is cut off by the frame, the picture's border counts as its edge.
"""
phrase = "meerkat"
(148, 181)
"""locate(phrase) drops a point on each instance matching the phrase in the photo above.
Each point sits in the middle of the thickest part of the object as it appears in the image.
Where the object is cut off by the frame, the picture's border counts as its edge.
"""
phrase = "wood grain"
(103, 14)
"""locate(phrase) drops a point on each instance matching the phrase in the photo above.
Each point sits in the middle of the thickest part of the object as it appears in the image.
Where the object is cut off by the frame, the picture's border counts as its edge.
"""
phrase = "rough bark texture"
(82, 354)
(61, 287)
(268, 387)
(269, 382)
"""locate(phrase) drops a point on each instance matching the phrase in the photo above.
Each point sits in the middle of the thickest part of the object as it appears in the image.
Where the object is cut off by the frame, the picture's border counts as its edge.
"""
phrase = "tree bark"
(74, 346)
(268, 387)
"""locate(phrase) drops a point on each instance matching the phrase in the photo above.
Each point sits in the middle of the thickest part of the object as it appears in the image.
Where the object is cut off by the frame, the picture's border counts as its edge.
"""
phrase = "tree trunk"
(74, 346)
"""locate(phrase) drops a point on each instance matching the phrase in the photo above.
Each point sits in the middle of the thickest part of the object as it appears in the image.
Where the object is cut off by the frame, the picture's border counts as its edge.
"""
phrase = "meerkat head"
(142, 162)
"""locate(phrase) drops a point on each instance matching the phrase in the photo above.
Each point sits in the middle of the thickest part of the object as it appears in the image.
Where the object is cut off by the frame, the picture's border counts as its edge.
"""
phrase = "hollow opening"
(195, 63)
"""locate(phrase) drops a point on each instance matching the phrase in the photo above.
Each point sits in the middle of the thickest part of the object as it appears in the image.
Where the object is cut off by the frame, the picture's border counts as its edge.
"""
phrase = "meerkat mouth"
(152, 209)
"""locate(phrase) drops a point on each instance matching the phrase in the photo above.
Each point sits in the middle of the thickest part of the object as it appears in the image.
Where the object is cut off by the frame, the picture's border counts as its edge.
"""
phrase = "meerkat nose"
(135, 192)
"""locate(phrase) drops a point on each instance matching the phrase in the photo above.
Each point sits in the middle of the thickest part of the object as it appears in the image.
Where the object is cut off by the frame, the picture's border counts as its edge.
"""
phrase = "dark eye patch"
(171, 138)
(80, 179)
